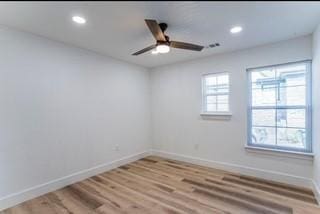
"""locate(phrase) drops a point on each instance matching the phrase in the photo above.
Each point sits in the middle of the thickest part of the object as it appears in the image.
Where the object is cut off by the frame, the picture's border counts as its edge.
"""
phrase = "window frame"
(204, 95)
(308, 108)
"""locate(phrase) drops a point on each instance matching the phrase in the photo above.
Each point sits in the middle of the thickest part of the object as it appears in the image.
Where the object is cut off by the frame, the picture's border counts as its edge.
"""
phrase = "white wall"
(176, 104)
(64, 110)
(316, 106)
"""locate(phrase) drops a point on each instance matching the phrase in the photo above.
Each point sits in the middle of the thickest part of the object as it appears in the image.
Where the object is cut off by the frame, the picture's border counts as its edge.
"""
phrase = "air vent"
(213, 45)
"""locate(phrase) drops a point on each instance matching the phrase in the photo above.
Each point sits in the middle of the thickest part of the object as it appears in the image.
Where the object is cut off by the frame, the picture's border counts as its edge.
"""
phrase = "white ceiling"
(117, 29)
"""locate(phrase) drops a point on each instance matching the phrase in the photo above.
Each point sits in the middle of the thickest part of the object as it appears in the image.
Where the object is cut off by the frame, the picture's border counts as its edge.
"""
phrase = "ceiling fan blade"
(144, 50)
(155, 29)
(188, 46)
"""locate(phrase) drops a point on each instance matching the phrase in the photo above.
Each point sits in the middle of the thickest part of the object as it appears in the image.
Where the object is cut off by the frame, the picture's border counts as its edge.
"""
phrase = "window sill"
(216, 114)
(280, 153)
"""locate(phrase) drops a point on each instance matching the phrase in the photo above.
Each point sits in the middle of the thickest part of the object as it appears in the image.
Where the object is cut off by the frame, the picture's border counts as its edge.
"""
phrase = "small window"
(215, 93)
(280, 107)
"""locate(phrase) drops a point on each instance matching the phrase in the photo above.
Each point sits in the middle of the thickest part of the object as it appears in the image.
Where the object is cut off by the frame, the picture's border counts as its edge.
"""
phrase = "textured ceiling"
(117, 29)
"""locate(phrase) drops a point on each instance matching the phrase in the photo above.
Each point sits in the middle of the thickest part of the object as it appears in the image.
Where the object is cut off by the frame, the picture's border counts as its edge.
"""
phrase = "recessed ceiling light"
(236, 29)
(79, 19)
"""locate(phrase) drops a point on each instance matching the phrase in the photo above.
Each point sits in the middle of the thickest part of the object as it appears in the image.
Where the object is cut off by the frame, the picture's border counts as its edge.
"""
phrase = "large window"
(215, 91)
(279, 107)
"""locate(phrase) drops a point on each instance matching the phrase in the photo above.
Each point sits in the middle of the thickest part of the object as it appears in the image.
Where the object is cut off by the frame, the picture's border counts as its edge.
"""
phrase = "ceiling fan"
(163, 42)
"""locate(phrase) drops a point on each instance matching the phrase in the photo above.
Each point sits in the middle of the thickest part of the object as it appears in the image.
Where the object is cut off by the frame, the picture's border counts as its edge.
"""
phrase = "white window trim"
(280, 152)
(308, 107)
(203, 103)
(222, 113)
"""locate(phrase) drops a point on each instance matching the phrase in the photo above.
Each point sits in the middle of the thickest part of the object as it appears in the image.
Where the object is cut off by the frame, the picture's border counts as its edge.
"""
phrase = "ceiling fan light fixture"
(163, 48)
(154, 51)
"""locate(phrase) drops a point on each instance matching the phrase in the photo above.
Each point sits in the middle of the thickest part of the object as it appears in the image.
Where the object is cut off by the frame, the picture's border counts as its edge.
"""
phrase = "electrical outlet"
(196, 146)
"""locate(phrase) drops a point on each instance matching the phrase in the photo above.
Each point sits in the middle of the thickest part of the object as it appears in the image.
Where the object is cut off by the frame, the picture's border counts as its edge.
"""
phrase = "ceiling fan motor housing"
(163, 42)
(163, 27)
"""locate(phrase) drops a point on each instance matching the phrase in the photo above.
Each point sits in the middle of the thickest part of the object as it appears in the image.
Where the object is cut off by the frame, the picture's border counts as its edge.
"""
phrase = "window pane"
(298, 67)
(264, 97)
(292, 81)
(222, 99)
(264, 117)
(266, 74)
(223, 79)
(223, 107)
(288, 137)
(295, 118)
(263, 135)
(211, 107)
(211, 99)
(291, 78)
(292, 74)
(211, 80)
(217, 89)
(292, 96)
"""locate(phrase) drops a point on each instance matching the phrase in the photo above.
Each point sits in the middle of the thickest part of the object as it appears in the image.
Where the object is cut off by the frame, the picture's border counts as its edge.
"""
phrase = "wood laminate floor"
(156, 185)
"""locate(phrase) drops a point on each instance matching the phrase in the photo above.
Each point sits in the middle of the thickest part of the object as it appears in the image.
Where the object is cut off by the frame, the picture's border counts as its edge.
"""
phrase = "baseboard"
(316, 190)
(33, 192)
(265, 174)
